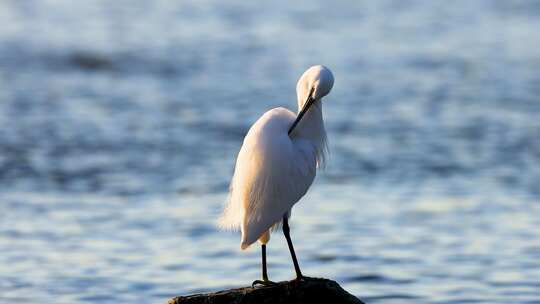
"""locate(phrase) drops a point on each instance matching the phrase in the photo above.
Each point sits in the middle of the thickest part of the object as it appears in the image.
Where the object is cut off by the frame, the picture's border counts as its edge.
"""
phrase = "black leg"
(264, 280)
(286, 231)
(264, 273)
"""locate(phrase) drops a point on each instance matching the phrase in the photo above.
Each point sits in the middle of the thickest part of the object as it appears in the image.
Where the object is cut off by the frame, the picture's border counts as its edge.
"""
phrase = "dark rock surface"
(308, 290)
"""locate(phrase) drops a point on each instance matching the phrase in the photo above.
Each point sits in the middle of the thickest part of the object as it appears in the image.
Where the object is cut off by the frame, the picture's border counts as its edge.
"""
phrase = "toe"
(262, 282)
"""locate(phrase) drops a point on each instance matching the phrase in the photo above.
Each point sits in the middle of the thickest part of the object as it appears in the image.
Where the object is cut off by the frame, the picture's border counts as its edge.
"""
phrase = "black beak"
(306, 106)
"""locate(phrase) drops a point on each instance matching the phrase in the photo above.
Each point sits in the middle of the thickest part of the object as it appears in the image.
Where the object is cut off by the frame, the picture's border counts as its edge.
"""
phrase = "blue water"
(120, 122)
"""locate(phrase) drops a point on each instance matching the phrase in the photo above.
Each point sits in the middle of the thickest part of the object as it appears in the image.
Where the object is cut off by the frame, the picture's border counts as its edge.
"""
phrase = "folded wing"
(272, 173)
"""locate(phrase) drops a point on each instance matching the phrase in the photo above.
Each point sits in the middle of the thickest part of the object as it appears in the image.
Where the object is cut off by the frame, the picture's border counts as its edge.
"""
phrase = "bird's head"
(316, 82)
(313, 85)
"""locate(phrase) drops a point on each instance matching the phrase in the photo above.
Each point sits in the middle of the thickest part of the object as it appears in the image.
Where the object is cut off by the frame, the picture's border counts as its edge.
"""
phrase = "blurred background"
(120, 122)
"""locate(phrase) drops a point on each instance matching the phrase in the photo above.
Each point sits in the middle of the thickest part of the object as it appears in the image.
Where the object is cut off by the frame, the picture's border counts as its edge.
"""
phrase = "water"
(120, 123)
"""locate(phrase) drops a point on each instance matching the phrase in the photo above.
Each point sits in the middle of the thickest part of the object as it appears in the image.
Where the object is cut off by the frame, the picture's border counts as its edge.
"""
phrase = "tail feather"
(244, 245)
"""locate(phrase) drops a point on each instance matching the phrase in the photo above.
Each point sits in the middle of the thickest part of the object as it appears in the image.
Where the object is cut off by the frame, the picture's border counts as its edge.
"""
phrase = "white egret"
(277, 164)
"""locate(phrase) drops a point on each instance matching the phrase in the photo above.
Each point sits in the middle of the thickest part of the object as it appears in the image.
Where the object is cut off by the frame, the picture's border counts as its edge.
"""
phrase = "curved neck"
(311, 126)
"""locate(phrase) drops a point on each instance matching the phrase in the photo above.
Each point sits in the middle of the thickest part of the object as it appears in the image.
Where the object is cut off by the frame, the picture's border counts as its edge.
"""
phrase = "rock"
(309, 290)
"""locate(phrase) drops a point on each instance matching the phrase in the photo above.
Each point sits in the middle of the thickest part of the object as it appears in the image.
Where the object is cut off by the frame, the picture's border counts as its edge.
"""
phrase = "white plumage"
(274, 169)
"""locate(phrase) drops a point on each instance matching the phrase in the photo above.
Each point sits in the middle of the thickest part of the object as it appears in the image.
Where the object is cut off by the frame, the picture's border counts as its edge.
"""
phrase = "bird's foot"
(263, 283)
(300, 279)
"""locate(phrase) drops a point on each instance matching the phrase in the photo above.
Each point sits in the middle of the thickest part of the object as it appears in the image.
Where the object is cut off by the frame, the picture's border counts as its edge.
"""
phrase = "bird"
(276, 166)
